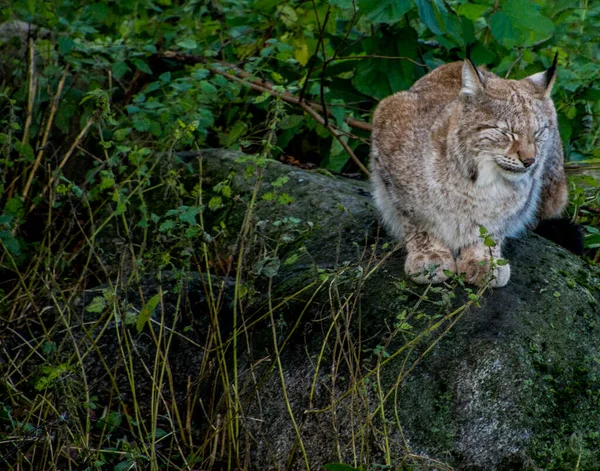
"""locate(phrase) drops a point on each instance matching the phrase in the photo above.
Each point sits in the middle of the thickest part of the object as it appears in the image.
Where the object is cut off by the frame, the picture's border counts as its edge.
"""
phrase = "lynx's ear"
(472, 80)
(543, 81)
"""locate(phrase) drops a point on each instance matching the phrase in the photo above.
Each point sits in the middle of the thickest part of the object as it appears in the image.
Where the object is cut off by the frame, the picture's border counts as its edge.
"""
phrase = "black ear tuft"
(564, 232)
(468, 53)
(552, 70)
(468, 58)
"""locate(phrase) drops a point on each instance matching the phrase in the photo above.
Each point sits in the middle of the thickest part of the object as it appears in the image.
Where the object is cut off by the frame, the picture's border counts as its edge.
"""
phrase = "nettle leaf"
(384, 11)
(97, 305)
(188, 214)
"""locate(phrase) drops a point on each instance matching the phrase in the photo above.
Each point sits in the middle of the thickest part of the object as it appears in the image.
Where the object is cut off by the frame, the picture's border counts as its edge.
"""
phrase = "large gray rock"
(375, 373)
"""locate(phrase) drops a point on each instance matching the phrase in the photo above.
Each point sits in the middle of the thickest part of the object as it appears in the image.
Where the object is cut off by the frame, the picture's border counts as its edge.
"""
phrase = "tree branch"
(233, 72)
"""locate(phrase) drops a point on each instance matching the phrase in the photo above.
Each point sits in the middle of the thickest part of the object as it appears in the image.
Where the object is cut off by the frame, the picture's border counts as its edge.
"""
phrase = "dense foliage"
(95, 96)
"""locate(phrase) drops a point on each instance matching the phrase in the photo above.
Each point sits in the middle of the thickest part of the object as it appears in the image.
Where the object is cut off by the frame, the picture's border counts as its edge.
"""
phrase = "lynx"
(465, 149)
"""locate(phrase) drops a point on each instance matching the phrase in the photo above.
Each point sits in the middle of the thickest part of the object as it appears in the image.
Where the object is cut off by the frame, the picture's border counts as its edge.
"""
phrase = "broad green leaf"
(472, 11)
(520, 23)
(147, 312)
(431, 15)
(379, 78)
(384, 11)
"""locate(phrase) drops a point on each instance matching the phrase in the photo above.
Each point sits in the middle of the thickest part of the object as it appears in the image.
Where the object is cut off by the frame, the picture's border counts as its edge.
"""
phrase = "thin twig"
(63, 162)
(317, 117)
(31, 80)
(40, 154)
(516, 61)
(376, 56)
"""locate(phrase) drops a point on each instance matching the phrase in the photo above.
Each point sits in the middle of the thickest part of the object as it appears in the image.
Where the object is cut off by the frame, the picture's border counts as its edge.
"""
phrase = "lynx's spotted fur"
(462, 149)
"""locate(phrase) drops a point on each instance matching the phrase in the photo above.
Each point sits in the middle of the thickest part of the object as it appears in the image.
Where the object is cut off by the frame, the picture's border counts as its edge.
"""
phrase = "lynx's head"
(504, 124)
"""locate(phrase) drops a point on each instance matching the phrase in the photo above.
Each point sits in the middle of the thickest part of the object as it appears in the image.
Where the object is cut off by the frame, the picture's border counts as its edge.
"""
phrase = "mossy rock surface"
(513, 384)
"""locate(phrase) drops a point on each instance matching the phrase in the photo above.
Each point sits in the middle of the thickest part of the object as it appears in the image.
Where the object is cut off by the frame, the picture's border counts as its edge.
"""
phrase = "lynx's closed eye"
(540, 133)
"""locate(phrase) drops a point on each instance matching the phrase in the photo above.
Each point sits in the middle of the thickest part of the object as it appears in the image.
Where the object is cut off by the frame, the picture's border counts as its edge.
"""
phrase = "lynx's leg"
(475, 262)
(427, 257)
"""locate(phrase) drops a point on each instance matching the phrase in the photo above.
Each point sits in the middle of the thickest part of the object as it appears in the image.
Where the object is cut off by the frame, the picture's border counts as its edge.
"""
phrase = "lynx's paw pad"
(429, 267)
(478, 272)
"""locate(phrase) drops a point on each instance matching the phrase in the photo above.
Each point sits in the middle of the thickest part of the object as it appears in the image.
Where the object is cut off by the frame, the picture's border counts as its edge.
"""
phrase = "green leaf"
(142, 66)
(15, 207)
(520, 23)
(472, 11)
(119, 69)
(280, 181)
(384, 11)
(431, 15)
(268, 266)
(187, 43)
(25, 150)
(65, 45)
(215, 203)
(10, 242)
(489, 242)
(285, 199)
(379, 78)
(503, 29)
(97, 305)
(6, 218)
(188, 214)
(147, 312)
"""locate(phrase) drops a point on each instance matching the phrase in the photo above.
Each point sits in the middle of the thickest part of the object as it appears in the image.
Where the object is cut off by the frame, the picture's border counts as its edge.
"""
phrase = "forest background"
(95, 94)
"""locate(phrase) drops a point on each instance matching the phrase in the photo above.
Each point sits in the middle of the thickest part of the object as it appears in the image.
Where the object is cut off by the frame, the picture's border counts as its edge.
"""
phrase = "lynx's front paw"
(428, 267)
(476, 265)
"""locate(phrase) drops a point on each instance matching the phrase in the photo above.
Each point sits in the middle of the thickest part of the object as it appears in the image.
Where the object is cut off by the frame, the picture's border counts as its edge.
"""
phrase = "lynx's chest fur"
(463, 149)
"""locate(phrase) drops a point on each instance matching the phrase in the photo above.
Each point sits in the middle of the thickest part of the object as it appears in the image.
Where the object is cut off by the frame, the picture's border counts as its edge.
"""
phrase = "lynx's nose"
(528, 162)
(526, 153)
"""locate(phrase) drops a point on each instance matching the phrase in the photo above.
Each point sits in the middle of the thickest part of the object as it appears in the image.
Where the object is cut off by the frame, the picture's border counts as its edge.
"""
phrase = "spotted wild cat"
(462, 149)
